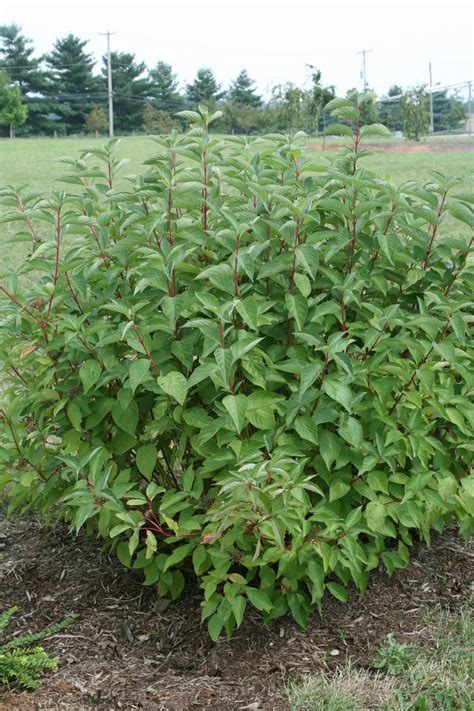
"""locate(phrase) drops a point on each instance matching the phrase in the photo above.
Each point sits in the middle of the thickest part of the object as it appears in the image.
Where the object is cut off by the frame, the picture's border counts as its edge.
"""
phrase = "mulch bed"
(130, 650)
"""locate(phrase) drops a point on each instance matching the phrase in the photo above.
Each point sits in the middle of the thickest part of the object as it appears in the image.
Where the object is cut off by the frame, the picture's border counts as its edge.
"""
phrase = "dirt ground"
(130, 650)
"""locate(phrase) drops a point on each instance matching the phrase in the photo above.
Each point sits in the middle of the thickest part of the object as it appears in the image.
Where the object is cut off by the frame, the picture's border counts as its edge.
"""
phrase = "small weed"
(393, 657)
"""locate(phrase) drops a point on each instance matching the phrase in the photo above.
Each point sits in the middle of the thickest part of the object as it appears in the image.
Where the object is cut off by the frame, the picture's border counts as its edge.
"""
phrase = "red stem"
(458, 271)
(435, 230)
(293, 266)
(149, 355)
(24, 308)
(421, 362)
(56, 266)
(236, 267)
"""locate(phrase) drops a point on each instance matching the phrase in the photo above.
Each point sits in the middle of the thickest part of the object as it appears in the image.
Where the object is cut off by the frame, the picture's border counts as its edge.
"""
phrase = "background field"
(32, 161)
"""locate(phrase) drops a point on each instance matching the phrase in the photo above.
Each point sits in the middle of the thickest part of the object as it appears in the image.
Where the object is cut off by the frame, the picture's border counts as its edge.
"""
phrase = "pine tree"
(71, 87)
(24, 71)
(131, 90)
(204, 89)
(242, 90)
(390, 112)
(164, 88)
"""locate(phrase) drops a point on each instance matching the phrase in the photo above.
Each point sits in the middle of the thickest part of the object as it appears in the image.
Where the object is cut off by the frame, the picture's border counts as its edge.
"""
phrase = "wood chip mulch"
(131, 650)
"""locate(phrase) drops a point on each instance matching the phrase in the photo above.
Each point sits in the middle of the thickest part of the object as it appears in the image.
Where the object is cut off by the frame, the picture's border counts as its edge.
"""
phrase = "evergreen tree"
(131, 90)
(390, 112)
(16, 59)
(448, 111)
(164, 88)
(13, 111)
(204, 89)
(72, 88)
(242, 91)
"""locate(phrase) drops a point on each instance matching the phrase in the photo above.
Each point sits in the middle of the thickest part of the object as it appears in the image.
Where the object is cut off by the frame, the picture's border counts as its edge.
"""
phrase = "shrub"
(244, 363)
(20, 663)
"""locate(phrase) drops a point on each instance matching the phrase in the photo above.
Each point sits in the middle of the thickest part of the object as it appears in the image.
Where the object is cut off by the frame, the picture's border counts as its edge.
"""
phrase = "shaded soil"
(404, 146)
(131, 651)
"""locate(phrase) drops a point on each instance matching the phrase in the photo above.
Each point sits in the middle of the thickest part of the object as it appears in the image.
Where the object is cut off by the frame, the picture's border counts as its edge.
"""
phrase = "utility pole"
(363, 52)
(431, 103)
(469, 107)
(109, 84)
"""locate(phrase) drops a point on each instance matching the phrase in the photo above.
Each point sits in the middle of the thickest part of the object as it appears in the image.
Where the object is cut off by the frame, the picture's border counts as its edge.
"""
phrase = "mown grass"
(32, 161)
(434, 676)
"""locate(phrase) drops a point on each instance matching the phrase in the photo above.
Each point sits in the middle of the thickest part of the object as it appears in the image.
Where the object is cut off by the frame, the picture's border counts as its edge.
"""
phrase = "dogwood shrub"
(248, 361)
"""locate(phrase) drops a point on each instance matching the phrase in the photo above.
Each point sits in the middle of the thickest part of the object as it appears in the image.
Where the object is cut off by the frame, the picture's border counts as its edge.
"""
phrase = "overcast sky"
(272, 40)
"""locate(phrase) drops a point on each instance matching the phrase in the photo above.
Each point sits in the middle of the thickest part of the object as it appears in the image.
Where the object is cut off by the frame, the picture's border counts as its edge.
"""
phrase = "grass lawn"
(32, 161)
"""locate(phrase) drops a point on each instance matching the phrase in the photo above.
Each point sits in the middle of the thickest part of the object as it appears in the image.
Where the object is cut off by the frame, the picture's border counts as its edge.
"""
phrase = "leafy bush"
(20, 663)
(244, 360)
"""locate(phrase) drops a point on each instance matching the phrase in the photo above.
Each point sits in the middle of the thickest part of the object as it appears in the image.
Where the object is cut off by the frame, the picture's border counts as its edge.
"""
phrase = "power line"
(56, 66)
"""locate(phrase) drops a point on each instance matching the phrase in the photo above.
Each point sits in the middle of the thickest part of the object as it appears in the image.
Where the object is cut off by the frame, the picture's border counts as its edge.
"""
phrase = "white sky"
(272, 40)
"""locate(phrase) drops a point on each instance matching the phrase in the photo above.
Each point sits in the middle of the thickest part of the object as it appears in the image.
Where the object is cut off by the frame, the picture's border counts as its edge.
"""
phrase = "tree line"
(59, 93)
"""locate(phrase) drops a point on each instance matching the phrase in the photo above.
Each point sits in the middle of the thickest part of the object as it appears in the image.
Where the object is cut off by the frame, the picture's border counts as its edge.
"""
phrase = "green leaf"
(259, 599)
(338, 489)
(339, 592)
(236, 406)
(175, 385)
(126, 419)
(351, 431)
(238, 609)
(248, 310)
(214, 626)
(329, 447)
(178, 555)
(138, 371)
(75, 415)
(123, 554)
(146, 458)
(377, 480)
(297, 307)
(199, 559)
(306, 428)
(374, 130)
(375, 515)
(303, 284)
(243, 346)
(315, 572)
(338, 391)
(89, 373)
(337, 129)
